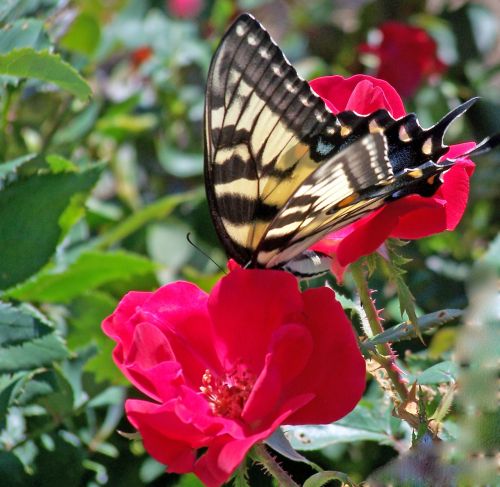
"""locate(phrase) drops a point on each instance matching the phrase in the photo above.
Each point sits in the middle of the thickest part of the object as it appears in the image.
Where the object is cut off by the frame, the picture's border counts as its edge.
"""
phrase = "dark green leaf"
(26, 62)
(11, 468)
(30, 220)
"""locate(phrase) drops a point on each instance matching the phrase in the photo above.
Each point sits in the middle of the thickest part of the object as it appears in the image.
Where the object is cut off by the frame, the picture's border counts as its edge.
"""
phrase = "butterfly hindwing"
(331, 197)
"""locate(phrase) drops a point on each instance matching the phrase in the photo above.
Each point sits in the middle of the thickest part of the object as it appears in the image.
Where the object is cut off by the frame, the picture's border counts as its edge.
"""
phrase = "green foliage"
(121, 82)
(26, 62)
(36, 209)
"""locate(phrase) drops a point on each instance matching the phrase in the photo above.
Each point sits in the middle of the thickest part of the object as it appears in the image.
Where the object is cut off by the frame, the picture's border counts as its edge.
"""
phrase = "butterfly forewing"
(261, 122)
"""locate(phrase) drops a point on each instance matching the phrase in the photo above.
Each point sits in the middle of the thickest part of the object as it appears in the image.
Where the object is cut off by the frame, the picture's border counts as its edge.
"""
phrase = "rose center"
(227, 395)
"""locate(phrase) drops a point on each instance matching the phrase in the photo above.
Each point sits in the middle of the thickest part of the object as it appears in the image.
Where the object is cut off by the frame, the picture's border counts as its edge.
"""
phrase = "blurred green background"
(97, 197)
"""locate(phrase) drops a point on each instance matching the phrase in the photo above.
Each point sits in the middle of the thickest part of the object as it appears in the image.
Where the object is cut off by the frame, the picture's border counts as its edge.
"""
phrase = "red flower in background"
(224, 370)
(186, 9)
(411, 217)
(406, 55)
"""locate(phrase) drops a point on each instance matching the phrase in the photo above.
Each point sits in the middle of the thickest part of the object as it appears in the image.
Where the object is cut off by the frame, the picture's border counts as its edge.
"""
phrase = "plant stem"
(260, 454)
(4, 120)
(384, 349)
(159, 209)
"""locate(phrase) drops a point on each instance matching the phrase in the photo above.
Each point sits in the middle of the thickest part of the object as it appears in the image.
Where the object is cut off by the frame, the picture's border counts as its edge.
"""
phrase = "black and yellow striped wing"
(281, 170)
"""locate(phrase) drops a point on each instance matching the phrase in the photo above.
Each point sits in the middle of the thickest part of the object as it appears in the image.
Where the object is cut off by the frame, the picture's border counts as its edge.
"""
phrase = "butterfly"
(282, 171)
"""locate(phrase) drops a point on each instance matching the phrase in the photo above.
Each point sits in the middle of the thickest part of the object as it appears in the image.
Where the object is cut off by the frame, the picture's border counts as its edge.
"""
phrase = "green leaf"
(83, 36)
(23, 33)
(362, 424)
(89, 271)
(323, 478)
(87, 313)
(279, 442)
(407, 331)
(51, 390)
(10, 167)
(395, 271)
(30, 220)
(28, 341)
(22, 323)
(443, 372)
(26, 62)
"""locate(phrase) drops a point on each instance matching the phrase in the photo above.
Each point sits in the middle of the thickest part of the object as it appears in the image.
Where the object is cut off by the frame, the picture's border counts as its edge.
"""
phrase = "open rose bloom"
(410, 217)
(222, 371)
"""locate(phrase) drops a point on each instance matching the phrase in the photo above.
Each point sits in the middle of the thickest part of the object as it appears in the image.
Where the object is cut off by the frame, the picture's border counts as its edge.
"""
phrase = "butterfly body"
(282, 170)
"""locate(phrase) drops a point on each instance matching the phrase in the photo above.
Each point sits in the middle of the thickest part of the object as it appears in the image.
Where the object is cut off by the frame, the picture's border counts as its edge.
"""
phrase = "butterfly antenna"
(199, 249)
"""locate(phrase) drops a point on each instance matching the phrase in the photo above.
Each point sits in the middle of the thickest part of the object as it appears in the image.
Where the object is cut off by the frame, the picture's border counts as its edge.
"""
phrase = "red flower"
(410, 217)
(224, 370)
(406, 56)
(186, 9)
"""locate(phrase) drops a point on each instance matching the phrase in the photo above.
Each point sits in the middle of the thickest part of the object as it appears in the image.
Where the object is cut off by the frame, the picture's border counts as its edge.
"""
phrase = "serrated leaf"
(32, 354)
(26, 62)
(28, 341)
(8, 168)
(30, 226)
(89, 271)
(21, 324)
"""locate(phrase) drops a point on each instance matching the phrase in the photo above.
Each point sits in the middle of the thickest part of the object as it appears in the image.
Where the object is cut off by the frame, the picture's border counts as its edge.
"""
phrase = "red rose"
(224, 370)
(410, 217)
(406, 56)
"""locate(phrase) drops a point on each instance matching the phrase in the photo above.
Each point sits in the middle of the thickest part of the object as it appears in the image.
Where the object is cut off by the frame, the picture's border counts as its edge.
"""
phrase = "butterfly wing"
(334, 195)
(263, 135)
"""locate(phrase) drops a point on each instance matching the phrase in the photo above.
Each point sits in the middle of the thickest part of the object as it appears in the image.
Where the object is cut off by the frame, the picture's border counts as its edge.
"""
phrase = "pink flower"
(406, 56)
(411, 217)
(186, 9)
(224, 370)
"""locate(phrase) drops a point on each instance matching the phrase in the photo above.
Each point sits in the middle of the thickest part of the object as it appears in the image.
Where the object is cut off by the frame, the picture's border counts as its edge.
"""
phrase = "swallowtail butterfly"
(282, 171)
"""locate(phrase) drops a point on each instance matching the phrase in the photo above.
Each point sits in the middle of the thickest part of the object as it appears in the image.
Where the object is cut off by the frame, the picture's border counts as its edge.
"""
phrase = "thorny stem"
(260, 454)
(384, 350)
